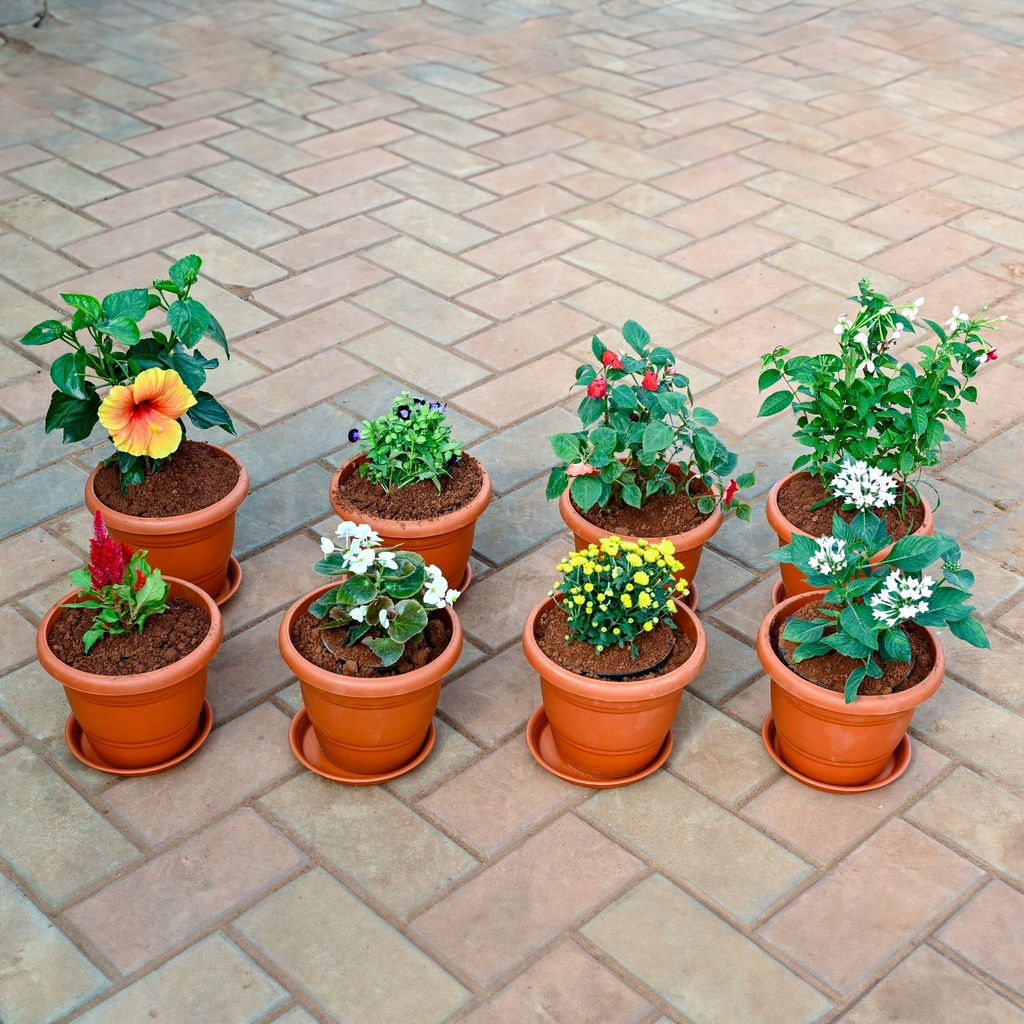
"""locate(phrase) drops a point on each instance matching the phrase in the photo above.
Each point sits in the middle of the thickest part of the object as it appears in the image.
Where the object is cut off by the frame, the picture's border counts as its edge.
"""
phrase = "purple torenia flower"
(403, 412)
(354, 435)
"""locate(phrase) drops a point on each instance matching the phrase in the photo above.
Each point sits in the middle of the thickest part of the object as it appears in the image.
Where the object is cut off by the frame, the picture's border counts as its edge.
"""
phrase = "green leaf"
(133, 303)
(895, 645)
(768, 378)
(705, 446)
(323, 604)
(706, 505)
(776, 403)
(357, 590)
(919, 420)
(745, 480)
(623, 397)
(189, 320)
(88, 304)
(605, 440)
(915, 553)
(705, 417)
(855, 620)
(330, 565)
(558, 480)
(586, 492)
(208, 412)
(853, 681)
(636, 337)
(388, 650)
(216, 334)
(970, 631)
(44, 333)
(848, 645)
(410, 619)
(802, 630)
(185, 272)
(190, 366)
(68, 374)
(566, 447)
(657, 436)
(122, 329)
(632, 495)
(407, 581)
(75, 416)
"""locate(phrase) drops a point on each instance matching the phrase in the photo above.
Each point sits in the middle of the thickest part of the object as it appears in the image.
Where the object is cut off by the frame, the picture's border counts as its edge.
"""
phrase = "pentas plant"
(864, 403)
(119, 585)
(386, 596)
(638, 418)
(866, 604)
(153, 381)
(410, 443)
(615, 592)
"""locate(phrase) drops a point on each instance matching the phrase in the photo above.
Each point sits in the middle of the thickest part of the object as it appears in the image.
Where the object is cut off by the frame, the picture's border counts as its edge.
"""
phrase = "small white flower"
(861, 338)
(957, 318)
(327, 546)
(382, 618)
(841, 324)
(452, 596)
(919, 301)
(884, 310)
(358, 533)
(830, 558)
(901, 597)
(387, 559)
(437, 588)
(868, 366)
(863, 486)
(359, 612)
(358, 560)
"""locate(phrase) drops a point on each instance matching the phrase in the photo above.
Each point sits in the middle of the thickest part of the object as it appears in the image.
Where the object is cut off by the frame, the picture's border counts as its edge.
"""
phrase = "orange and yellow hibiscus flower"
(143, 417)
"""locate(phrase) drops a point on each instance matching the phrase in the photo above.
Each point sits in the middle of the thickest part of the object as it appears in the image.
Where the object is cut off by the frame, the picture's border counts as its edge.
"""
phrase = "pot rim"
(141, 682)
(413, 528)
(608, 690)
(167, 525)
(830, 700)
(352, 686)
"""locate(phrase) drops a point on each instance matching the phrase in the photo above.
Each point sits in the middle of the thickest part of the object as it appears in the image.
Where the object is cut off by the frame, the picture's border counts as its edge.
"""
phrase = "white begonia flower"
(901, 597)
(382, 618)
(387, 559)
(863, 486)
(358, 534)
(359, 612)
(437, 588)
(830, 558)
(327, 546)
(358, 560)
(884, 310)
(452, 596)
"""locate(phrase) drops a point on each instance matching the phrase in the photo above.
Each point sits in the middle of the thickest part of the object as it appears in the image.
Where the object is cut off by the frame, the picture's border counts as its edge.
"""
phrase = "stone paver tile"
(627, 229)
(249, 184)
(212, 980)
(344, 170)
(910, 215)
(145, 202)
(31, 266)
(273, 121)
(34, 701)
(296, 1015)
(498, 798)
(61, 843)
(420, 311)
(884, 184)
(387, 849)
(566, 986)
(189, 108)
(435, 227)
(634, 270)
(352, 140)
(437, 189)
(173, 164)
(426, 266)
(706, 178)
(526, 289)
(719, 577)
(823, 232)
(740, 343)
(278, 574)
(725, 298)
(8, 738)
(520, 392)
(522, 451)
(360, 110)
(427, 152)
(154, 232)
(328, 243)
(444, 126)
(927, 987)
(729, 666)
(66, 183)
(45, 976)
(520, 248)
(451, 751)
(996, 674)
(248, 666)
(989, 931)
(164, 139)
(528, 336)
(621, 160)
(819, 828)
(699, 964)
(302, 292)
(14, 157)
(46, 221)
(146, 913)
(228, 263)
(713, 853)
(926, 256)
(511, 908)
(515, 177)
(17, 639)
(245, 224)
(31, 559)
(271, 154)
(716, 213)
(982, 471)
(829, 201)
(848, 924)
(240, 758)
(351, 981)
(517, 522)
(613, 305)
(538, 203)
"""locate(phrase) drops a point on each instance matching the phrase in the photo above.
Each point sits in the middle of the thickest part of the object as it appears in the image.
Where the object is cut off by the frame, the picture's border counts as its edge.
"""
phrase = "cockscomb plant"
(864, 403)
(865, 604)
(386, 596)
(410, 443)
(119, 585)
(614, 592)
(638, 417)
(136, 387)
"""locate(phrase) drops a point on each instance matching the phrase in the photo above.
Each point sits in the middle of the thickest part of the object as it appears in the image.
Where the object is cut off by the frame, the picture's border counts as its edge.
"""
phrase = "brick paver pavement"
(453, 195)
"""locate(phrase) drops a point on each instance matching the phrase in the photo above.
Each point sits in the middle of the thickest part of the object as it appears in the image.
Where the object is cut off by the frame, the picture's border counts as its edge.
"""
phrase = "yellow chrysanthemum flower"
(642, 578)
(634, 560)
(666, 547)
(644, 599)
(627, 601)
(648, 626)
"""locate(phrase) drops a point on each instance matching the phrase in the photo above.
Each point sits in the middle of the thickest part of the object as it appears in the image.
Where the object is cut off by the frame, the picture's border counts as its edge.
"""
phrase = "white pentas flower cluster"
(863, 486)
(830, 558)
(901, 597)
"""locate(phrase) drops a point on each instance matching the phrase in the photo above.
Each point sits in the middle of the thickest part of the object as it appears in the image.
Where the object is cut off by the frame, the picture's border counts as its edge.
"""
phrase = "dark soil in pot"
(418, 501)
(797, 497)
(663, 515)
(582, 659)
(193, 478)
(831, 670)
(167, 638)
(358, 660)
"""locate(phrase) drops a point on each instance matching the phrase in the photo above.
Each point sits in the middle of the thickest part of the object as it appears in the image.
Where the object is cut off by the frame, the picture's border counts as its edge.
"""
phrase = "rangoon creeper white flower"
(863, 486)
(830, 558)
(957, 318)
(841, 324)
(901, 597)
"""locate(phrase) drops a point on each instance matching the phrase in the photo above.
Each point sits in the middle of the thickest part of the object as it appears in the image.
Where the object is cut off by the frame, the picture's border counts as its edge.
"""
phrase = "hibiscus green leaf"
(43, 333)
(75, 416)
(185, 272)
(132, 303)
(68, 374)
(88, 305)
(122, 328)
(216, 333)
(189, 320)
(208, 412)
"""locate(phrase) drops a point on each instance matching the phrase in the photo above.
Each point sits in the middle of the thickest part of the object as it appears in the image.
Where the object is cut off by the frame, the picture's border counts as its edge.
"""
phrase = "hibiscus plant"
(386, 595)
(118, 584)
(638, 418)
(137, 387)
(866, 600)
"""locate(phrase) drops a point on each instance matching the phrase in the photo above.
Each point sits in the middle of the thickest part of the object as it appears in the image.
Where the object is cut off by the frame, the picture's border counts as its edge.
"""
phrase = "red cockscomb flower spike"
(140, 580)
(991, 355)
(730, 491)
(650, 381)
(612, 360)
(598, 388)
(108, 558)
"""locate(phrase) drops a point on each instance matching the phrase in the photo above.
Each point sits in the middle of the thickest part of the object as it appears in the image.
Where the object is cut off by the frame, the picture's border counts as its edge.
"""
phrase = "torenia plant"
(119, 585)
(412, 442)
(866, 604)
(638, 407)
(386, 596)
(137, 387)
(863, 403)
(615, 592)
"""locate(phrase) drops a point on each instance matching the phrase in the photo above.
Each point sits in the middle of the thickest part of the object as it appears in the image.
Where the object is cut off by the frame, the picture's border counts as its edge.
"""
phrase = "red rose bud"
(991, 356)
(650, 381)
(598, 388)
(730, 491)
(581, 469)
(612, 360)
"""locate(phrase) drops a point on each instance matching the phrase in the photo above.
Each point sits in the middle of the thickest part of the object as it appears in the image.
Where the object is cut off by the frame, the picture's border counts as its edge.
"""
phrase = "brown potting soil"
(662, 515)
(831, 670)
(193, 478)
(581, 658)
(417, 501)
(797, 498)
(358, 660)
(166, 638)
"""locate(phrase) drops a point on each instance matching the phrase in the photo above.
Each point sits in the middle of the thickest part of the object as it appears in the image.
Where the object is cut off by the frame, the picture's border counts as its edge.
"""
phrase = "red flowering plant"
(119, 584)
(638, 418)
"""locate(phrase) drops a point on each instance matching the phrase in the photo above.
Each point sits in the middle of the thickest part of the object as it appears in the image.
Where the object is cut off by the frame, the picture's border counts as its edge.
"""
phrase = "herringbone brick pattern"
(452, 195)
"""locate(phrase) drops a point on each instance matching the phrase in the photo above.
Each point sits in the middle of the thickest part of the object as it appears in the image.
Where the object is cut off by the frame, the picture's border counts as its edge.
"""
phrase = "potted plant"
(851, 661)
(414, 486)
(865, 405)
(158, 491)
(370, 653)
(131, 649)
(645, 463)
(614, 645)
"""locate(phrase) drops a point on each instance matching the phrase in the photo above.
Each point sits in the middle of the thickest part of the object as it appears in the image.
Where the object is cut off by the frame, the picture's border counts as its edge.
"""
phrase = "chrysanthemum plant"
(865, 604)
(615, 592)
(410, 443)
(638, 417)
(119, 585)
(864, 403)
(386, 596)
(137, 387)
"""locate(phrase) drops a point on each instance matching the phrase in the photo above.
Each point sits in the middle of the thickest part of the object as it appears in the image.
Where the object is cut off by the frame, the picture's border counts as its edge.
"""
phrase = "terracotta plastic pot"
(195, 546)
(368, 726)
(445, 541)
(611, 729)
(794, 581)
(142, 720)
(819, 734)
(689, 546)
